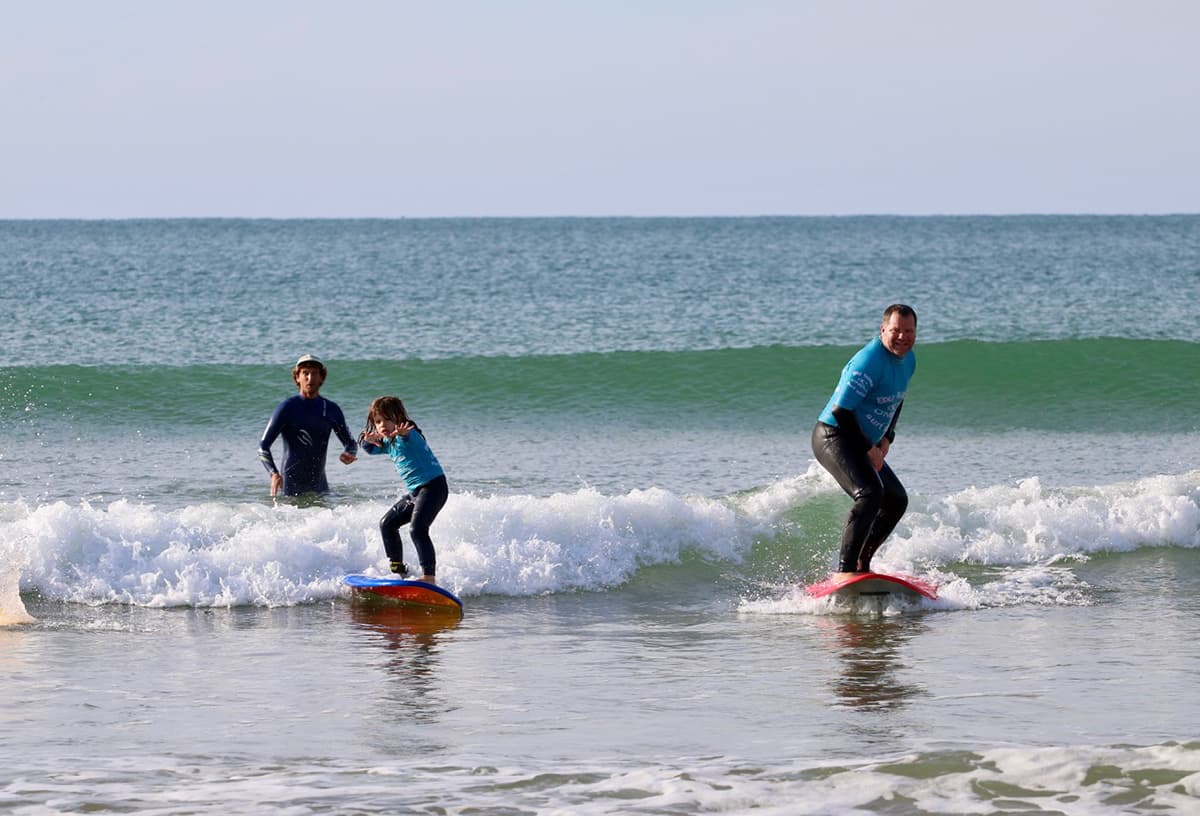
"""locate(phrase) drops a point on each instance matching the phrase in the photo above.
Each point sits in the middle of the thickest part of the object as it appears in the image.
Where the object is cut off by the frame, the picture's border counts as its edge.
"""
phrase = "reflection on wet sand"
(12, 650)
(396, 619)
(410, 635)
(871, 654)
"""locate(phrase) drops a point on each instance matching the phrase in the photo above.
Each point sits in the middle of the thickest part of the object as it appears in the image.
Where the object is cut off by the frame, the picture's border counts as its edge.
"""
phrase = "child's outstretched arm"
(371, 442)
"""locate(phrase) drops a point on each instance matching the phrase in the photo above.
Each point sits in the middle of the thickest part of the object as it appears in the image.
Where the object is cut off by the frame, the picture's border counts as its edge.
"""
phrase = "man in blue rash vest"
(305, 422)
(856, 429)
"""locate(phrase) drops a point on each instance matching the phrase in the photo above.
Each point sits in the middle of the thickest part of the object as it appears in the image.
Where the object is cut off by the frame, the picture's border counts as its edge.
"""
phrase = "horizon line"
(764, 216)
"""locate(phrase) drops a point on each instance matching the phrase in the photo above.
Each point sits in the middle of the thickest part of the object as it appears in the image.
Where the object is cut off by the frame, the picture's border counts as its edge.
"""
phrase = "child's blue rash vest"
(412, 456)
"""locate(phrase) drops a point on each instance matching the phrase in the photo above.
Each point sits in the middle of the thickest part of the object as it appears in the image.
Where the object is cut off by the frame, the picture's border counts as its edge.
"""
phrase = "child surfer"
(389, 430)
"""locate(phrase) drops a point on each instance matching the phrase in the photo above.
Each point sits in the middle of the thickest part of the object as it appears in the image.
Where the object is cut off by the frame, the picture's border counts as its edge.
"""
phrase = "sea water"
(623, 408)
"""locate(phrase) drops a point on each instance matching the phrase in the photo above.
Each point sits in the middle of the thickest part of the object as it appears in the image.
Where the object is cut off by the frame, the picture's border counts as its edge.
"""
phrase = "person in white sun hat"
(305, 422)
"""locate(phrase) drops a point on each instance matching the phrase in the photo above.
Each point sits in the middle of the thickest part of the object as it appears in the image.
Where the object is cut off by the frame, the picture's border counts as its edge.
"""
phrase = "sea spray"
(1029, 523)
(234, 554)
(246, 554)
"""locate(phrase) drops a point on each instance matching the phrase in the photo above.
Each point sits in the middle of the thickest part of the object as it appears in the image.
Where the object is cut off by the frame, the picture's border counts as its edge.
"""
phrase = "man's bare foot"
(429, 579)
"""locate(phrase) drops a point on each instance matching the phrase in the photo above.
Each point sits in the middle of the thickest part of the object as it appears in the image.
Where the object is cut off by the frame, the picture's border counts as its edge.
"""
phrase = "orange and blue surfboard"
(405, 591)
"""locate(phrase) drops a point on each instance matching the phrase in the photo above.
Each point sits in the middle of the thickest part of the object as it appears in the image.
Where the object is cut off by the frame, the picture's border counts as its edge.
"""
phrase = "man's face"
(309, 378)
(899, 333)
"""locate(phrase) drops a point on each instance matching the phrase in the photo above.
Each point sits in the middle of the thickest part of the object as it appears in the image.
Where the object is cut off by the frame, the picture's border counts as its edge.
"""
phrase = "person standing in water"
(389, 430)
(856, 429)
(305, 422)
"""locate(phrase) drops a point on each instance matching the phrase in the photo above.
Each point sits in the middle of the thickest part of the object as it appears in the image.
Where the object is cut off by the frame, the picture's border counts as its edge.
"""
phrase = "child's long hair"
(388, 408)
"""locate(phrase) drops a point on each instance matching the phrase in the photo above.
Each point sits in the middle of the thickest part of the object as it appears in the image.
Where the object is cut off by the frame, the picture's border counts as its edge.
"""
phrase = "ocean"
(623, 409)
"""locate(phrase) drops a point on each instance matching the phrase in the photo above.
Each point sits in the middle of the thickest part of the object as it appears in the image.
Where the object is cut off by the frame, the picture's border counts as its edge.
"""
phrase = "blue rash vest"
(873, 385)
(305, 425)
(414, 461)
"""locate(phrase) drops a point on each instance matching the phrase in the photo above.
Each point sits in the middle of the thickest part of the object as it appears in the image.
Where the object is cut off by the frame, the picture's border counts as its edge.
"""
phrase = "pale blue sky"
(273, 108)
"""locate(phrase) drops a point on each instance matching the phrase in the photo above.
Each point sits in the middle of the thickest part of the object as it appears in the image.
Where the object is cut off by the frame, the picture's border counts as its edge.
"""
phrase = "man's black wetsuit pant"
(879, 498)
(418, 509)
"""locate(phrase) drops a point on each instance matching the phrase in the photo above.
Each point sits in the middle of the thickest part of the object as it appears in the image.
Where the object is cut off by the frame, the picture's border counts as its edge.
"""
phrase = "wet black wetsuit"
(879, 498)
(305, 425)
(864, 410)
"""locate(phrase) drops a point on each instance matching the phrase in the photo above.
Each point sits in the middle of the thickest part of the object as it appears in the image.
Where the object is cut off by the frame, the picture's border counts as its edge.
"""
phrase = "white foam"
(1076, 780)
(225, 555)
(219, 554)
(1080, 780)
(520, 545)
(1030, 524)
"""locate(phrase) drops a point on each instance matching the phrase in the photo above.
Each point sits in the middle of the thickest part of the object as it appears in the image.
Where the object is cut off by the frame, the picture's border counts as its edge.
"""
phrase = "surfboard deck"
(873, 584)
(405, 591)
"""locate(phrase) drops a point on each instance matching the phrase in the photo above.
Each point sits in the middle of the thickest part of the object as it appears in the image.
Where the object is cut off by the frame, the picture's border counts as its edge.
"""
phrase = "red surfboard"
(414, 593)
(873, 584)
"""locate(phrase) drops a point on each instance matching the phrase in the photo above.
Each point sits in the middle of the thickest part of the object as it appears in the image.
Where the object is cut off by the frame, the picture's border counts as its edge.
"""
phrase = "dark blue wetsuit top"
(304, 425)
